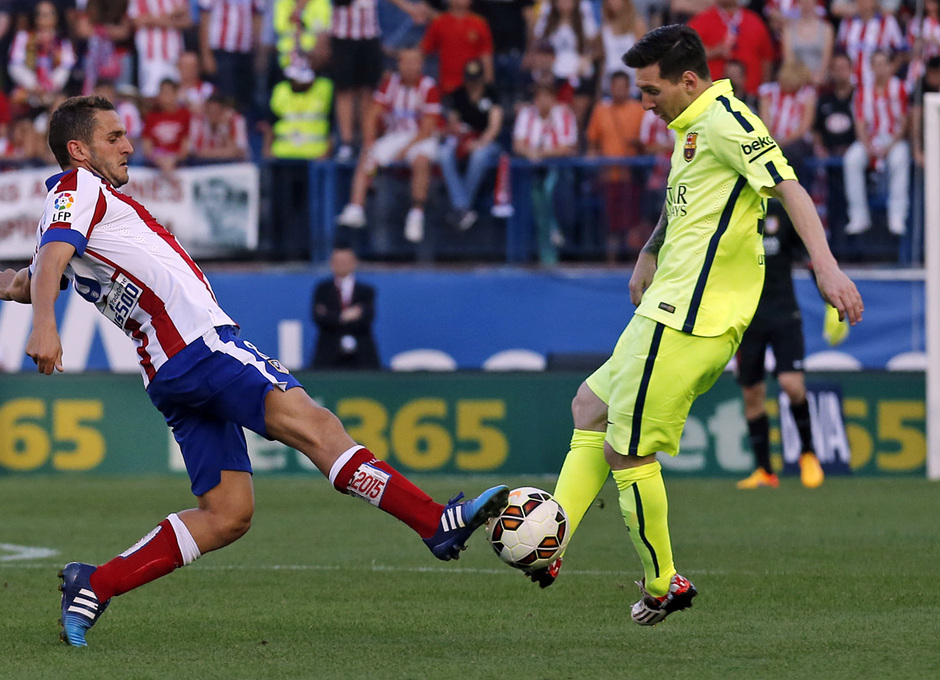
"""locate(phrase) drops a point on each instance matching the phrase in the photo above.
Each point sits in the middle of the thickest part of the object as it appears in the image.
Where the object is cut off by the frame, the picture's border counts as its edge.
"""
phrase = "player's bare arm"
(645, 266)
(14, 285)
(44, 345)
(836, 288)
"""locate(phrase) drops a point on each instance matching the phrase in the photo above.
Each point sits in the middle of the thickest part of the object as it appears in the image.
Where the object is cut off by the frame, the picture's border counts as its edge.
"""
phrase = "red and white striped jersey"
(231, 23)
(359, 20)
(152, 42)
(859, 38)
(36, 64)
(204, 136)
(405, 105)
(884, 109)
(927, 28)
(558, 129)
(787, 109)
(129, 266)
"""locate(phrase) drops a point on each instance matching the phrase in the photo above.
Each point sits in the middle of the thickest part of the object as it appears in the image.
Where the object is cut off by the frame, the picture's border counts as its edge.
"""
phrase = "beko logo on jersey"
(758, 144)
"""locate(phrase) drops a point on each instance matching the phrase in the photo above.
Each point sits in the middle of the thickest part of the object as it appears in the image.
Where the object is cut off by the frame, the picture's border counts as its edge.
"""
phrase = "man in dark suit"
(343, 310)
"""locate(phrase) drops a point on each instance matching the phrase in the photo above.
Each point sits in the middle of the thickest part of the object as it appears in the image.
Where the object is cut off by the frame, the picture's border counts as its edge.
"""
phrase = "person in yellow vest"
(300, 105)
(298, 129)
(303, 29)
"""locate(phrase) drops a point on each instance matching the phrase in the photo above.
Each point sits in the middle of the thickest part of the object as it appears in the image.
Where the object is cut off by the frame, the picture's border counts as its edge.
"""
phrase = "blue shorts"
(208, 392)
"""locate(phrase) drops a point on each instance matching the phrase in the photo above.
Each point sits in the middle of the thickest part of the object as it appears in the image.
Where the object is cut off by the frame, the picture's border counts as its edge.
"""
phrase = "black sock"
(803, 425)
(759, 432)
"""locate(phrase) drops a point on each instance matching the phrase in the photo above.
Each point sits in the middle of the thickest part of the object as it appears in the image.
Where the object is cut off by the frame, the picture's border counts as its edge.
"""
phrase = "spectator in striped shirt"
(41, 59)
(881, 124)
(788, 108)
(158, 37)
(194, 91)
(229, 32)
(219, 133)
(407, 106)
(356, 64)
(107, 31)
(869, 30)
(544, 130)
(923, 37)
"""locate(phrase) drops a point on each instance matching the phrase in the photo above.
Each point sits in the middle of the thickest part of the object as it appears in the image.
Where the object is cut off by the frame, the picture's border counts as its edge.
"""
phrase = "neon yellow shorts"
(651, 380)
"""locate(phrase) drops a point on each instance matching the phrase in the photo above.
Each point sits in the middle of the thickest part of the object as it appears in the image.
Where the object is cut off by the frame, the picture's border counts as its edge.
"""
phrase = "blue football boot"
(459, 520)
(80, 606)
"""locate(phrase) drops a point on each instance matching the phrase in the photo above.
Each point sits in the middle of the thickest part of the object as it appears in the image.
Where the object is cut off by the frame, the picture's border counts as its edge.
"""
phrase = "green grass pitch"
(841, 582)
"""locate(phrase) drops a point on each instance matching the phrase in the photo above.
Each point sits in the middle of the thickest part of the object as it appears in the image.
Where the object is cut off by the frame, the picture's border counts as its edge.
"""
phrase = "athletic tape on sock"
(342, 460)
(189, 551)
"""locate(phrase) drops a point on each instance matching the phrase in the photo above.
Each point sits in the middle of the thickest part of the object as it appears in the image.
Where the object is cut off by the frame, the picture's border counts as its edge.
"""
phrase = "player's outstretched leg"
(81, 607)
(444, 528)
(581, 478)
(460, 520)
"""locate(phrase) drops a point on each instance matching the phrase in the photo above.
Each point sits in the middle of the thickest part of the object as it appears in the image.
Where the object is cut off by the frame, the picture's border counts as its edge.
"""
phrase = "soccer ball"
(531, 532)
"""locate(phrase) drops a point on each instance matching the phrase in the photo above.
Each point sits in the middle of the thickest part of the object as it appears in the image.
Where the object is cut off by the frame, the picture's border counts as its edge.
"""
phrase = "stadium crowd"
(451, 88)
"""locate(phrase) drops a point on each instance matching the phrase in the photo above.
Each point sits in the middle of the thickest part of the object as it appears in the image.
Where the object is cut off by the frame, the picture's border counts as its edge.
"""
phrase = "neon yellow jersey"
(710, 269)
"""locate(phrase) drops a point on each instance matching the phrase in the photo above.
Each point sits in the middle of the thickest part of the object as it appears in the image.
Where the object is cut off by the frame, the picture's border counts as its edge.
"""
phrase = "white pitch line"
(374, 567)
(24, 552)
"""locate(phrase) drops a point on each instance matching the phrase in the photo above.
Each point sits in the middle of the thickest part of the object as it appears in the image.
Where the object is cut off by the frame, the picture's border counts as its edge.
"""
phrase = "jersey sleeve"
(73, 210)
(744, 143)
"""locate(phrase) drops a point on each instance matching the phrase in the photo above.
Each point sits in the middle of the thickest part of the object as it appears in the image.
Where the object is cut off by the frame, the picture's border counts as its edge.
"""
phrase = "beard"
(115, 173)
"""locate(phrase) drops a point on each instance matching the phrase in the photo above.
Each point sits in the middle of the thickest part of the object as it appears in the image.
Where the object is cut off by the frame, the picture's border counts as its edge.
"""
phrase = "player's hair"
(74, 119)
(676, 48)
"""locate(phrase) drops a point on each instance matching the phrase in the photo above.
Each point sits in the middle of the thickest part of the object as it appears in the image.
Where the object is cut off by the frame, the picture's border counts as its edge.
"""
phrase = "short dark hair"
(74, 119)
(676, 48)
(621, 74)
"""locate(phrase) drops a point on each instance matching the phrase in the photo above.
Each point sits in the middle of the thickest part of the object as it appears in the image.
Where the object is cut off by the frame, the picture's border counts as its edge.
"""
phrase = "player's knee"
(794, 385)
(233, 525)
(587, 410)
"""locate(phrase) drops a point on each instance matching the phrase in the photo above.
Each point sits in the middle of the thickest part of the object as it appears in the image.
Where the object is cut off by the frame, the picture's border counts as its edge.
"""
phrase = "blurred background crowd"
(433, 128)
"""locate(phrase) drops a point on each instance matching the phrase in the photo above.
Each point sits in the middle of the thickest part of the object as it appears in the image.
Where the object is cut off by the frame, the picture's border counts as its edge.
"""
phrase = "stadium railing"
(579, 207)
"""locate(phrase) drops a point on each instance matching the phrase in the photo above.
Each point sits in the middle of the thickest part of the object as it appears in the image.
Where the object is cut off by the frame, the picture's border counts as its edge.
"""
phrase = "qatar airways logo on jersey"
(676, 201)
(62, 203)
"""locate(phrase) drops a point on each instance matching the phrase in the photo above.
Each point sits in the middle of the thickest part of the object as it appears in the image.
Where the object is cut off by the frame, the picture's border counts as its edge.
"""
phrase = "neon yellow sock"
(646, 512)
(582, 475)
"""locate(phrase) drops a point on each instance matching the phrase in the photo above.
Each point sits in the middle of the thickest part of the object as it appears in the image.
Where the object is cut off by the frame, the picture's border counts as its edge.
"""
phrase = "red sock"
(155, 555)
(382, 485)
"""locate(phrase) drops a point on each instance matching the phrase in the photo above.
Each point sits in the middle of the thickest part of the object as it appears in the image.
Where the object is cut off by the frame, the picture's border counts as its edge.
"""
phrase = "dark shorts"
(208, 392)
(355, 63)
(783, 334)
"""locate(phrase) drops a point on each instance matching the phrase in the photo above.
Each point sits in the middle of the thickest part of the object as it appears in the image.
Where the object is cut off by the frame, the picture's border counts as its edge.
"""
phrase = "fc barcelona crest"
(688, 152)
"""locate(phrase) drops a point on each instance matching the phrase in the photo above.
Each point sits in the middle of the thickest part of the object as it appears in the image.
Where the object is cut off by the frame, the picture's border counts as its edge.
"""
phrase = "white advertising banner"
(212, 209)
